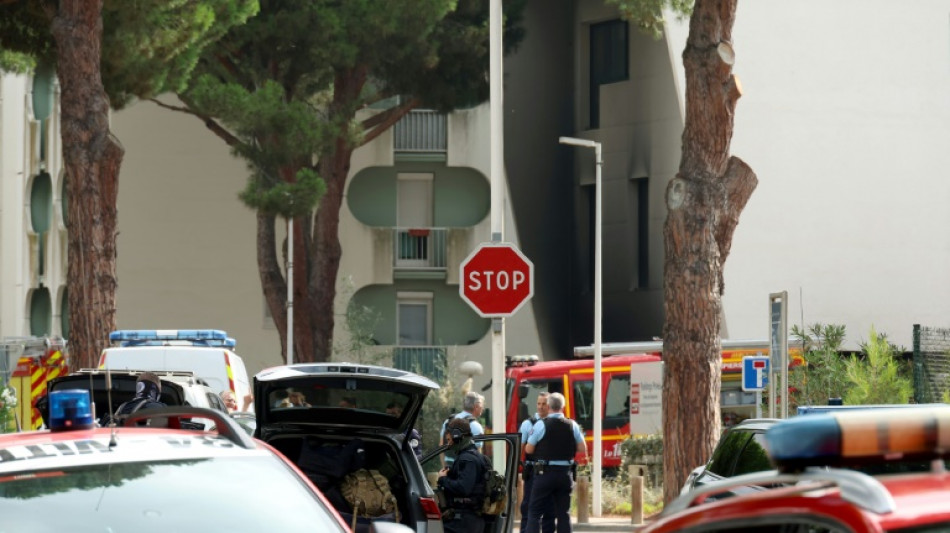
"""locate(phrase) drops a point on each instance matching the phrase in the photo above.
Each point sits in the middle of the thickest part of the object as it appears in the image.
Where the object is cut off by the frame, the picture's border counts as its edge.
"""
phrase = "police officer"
(553, 443)
(472, 406)
(526, 429)
(463, 483)
(148, 391)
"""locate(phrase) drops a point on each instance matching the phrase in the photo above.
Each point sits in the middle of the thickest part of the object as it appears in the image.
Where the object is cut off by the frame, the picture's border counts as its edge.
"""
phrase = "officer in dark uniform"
(463, 483)
(553, 442)
(148, 391)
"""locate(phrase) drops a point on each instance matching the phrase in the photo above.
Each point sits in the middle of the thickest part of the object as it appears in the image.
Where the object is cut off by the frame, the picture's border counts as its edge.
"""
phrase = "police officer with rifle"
(463, 483)
(553, 442)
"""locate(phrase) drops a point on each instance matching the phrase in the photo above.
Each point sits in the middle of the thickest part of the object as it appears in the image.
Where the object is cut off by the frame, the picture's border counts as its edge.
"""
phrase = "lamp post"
(598, 453)
(290, 290)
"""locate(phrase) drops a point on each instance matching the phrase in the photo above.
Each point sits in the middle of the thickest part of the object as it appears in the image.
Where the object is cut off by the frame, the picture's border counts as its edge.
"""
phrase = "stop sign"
(496, 280)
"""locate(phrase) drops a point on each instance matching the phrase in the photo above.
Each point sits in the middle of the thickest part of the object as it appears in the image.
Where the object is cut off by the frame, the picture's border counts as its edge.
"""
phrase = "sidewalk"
(604, 524)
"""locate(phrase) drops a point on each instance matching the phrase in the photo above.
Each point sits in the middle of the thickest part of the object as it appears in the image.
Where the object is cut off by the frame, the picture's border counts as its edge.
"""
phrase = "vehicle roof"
(574, 364)
(755, 423)
(342, 369)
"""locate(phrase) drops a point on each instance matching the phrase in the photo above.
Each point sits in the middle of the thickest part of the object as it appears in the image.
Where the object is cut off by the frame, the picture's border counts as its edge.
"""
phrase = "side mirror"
(523, 389)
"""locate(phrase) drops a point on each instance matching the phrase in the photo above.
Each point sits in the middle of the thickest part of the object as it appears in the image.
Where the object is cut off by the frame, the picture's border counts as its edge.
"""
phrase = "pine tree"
(300, 87)
(105, 53)
(876, 378)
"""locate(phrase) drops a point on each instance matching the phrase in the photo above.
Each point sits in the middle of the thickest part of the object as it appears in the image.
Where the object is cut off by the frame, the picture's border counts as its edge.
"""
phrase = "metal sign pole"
(778, 349)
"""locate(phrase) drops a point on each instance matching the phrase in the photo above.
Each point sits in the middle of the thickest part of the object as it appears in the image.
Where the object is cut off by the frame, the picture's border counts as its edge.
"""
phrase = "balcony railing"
(421, 130)
(428, 361)
(419, 248)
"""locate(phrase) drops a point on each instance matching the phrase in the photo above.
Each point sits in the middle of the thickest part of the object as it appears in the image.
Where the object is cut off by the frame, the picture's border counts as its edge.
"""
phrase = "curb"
(613, 525)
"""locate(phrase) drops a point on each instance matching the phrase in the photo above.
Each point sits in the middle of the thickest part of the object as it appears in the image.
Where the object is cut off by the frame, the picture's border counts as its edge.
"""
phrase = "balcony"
(419, 248)
(421, 135)
(428, 361)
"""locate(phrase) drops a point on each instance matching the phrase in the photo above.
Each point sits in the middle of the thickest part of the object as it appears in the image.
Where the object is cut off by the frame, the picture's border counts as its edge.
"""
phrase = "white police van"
(208, 353)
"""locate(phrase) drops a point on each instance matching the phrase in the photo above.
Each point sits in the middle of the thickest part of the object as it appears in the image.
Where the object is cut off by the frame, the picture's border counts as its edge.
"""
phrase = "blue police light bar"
(70, 410)
(849, 438)
(153, 337)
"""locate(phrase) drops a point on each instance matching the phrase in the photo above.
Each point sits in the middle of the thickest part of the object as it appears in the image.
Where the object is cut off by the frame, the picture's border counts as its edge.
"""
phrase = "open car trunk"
(328, 459)
(337, 419)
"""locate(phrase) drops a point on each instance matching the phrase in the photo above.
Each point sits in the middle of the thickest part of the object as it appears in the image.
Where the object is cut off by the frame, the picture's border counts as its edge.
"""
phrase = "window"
(608, 61)
(584, 404)
(753, 457)
(414, 218)
(617, 404)
(414, 318)
(528, 405)
(724, 457)
(638, 231)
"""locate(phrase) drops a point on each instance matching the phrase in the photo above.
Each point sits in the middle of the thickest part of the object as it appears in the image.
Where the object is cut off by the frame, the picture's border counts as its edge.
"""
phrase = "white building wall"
(845, 118)
(468, 146)
(20, 163)
(13, 124)
(187, 255)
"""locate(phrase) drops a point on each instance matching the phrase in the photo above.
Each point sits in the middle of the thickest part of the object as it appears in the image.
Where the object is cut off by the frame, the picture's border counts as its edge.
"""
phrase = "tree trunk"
(704, 202)
(326, 252)
(92, 158)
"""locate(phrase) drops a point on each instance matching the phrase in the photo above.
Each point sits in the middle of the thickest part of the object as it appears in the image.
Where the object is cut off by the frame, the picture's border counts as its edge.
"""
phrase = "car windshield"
(208, 494)
(379, 398)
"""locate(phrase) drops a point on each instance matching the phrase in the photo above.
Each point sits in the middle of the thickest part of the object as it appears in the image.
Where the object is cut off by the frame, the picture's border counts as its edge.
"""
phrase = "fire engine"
(623, 398)
(37, 360)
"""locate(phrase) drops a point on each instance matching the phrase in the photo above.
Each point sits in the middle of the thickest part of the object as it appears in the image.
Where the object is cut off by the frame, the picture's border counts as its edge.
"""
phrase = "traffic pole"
(497, 182)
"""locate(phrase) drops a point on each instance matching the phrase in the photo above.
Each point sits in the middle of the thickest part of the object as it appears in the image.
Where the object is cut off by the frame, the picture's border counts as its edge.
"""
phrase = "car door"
(503, 449)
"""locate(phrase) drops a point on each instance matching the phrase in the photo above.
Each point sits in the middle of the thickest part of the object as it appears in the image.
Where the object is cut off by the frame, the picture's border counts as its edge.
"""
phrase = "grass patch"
(616, 500)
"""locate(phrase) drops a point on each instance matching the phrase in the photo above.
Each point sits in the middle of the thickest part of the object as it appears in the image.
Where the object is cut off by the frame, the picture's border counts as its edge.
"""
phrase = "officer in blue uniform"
(553, 442)
(527, 472)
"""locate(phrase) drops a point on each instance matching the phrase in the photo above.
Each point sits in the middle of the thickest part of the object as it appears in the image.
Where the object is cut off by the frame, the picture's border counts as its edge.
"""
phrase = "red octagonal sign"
(496, 280)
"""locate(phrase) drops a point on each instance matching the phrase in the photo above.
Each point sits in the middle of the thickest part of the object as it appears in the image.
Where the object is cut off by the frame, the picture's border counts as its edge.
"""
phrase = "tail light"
(430, 508)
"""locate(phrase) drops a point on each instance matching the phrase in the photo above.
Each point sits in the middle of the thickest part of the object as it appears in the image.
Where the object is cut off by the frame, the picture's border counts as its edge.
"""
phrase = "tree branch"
(381, 122)
(739, 181)
(209, 122)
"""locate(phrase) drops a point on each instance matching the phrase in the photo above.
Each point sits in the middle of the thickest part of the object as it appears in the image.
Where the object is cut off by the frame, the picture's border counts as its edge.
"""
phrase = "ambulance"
(208, 353)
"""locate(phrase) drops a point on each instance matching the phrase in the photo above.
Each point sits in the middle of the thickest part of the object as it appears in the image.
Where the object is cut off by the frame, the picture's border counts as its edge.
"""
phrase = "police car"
(818, 489)
(76, 477)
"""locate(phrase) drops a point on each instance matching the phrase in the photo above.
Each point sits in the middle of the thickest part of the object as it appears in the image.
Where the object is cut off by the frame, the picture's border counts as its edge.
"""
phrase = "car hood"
(346, 396)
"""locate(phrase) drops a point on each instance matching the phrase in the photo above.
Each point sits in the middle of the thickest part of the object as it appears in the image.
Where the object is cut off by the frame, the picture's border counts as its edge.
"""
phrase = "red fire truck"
(526, 376)
(38, 359)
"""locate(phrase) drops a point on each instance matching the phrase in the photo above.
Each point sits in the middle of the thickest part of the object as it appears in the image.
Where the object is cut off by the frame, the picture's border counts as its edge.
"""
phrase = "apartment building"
(844, 118)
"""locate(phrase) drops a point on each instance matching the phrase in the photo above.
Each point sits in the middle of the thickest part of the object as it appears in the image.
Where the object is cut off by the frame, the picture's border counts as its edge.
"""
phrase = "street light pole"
(598, 453)
(290, 290)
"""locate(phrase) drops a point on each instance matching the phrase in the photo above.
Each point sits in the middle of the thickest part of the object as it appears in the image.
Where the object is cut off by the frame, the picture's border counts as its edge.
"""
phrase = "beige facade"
(32, 228)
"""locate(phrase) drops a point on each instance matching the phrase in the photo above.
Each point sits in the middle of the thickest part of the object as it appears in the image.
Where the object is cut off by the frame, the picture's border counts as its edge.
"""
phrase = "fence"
(931, 363)
(428, 361)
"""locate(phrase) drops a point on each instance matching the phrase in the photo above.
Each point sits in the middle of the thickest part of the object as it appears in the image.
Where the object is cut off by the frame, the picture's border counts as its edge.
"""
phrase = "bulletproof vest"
(475, 499)
(557, 444)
